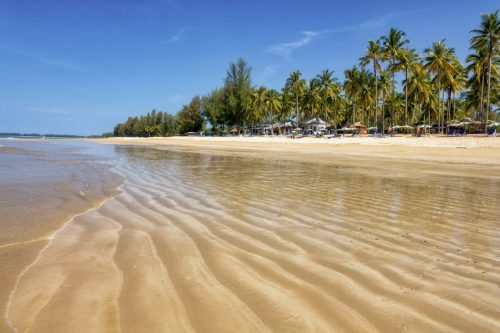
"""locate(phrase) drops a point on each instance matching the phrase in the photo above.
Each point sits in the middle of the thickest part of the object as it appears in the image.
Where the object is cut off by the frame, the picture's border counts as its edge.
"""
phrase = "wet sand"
(225, 236)
(42, 186)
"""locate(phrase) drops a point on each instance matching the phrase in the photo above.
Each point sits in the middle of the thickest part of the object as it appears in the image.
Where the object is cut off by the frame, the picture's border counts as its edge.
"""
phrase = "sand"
(479, 149)
(269, 234)
(476, 156)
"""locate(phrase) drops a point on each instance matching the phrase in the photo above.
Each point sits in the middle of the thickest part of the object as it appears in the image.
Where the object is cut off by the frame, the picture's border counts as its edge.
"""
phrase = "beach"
(478, 154)
(197, 234)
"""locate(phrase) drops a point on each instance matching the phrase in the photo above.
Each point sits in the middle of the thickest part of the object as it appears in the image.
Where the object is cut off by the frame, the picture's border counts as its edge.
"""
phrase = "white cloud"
(175, 98)
(177, 36)
(268, 71)
(285, 49)
(49, 61)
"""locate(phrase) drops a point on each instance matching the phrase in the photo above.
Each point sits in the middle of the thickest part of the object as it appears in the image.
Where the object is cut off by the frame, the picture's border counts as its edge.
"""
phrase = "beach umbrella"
(358, 124)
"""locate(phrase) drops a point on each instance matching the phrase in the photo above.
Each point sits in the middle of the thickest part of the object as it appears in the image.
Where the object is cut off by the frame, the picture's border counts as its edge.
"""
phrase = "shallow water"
(41, 180)
(207, 242)
(43, 184)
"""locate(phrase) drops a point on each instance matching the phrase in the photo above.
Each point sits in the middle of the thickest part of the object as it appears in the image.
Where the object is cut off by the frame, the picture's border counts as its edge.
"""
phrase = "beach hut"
(493, 128)
(264, 128)
(234, 131)
(314, 125)
(344, 130)
(284, 127)
(360, 127)
(358, 124)
(267, 128)
(403, 129)
(467, 125)
(423, 130)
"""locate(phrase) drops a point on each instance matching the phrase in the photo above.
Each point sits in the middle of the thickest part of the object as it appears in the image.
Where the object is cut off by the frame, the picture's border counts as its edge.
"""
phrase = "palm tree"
(287, 103)
(351, 88)
(258, 103)
(385, 86)
(374, 54)
(419, 86)
(478, 66)
(487, 39)
(329, 91)
(365, 92)
(392, 44)
(312, 97)
(297, 86)
(272, 101)
(453, 84)
(439, 60)
(406, 59)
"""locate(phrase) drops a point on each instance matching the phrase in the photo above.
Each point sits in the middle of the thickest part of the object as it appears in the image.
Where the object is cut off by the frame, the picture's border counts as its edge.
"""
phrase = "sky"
(80, 67)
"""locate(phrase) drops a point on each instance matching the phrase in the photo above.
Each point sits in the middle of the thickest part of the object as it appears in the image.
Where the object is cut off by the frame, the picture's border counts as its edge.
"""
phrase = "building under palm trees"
(314, 125)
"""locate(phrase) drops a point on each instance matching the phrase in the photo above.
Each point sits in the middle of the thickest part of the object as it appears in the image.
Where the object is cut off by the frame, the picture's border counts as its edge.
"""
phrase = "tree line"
(435, 88)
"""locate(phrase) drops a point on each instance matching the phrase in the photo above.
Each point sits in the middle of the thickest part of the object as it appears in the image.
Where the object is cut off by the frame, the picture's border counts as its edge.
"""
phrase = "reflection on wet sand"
(42, 185)
(207, 242)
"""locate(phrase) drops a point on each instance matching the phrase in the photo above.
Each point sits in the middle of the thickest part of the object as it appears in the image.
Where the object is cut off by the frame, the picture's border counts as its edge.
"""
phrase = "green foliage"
(155, 123)
(237, 93)
(190, 119)
(435, 89)
(212, 108)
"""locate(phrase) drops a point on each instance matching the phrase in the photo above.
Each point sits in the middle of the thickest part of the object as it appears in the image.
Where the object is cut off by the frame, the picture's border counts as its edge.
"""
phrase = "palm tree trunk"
(393, 88)
(414, 108)
(376, 92)
(481, 98)
(335, 118)
(297, 108)
(312, 109)
(383, 114)
(448, 113)
(271, 120)
(488, 93)
(392, 111)
(439, 103)
(442, 112)
(406, 95)
(429, 116)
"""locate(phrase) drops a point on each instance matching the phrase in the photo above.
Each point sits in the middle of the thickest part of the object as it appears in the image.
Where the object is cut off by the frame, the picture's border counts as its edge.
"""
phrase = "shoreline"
(464, 156)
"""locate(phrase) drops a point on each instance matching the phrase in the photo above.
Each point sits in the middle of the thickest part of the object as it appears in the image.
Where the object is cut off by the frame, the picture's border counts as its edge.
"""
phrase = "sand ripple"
(224, 244)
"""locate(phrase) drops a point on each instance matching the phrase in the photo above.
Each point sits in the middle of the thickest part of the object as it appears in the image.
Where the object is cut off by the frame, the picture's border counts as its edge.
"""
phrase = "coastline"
(465, 156)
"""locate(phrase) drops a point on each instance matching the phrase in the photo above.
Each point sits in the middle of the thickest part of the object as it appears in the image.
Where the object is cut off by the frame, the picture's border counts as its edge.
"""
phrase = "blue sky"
(79, 67)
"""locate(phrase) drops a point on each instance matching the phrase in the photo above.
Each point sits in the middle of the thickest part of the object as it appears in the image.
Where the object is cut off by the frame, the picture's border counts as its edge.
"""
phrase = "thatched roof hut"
(358, 124)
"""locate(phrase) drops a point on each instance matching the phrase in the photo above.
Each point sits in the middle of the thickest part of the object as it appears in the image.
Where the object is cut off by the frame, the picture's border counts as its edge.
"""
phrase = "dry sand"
(207, 243)
(476, 156)
(479, 149)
